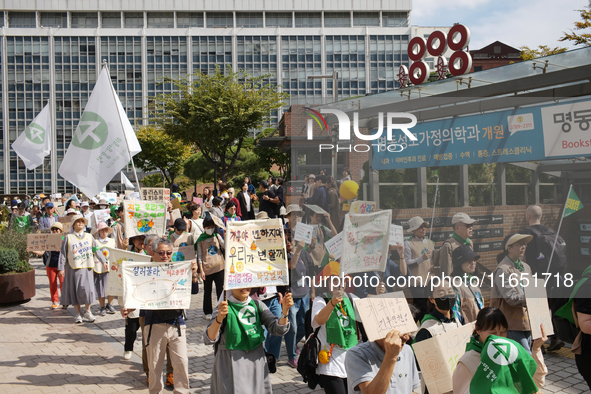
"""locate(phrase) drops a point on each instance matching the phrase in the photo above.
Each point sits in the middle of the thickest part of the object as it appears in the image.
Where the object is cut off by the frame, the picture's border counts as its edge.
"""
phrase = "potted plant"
(17, 277)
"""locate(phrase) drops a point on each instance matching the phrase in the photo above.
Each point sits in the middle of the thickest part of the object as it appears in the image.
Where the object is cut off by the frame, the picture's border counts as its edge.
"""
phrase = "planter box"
(17, 287)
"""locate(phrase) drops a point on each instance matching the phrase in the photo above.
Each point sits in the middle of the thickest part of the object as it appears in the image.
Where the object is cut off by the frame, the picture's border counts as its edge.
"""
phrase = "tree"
(272, 156)
(543, 50)
(161, 152)
(583, 38)
(216, 113)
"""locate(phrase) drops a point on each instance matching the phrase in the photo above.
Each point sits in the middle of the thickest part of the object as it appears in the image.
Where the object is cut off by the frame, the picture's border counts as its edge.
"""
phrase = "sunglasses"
(164, 253)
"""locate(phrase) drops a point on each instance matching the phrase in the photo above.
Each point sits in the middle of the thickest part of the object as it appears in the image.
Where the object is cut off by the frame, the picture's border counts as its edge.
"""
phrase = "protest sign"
(197, 200)
(438, 357)
(60, 210)
(67, 227)
(360, 207)
(396, 235)
(116, 258)
(217, 221)
(44, 242)
(183, 253)
(304, 232)
(155, 194)
(334, 246)
(536, 301)
(255, 254)
(111, 198)
(176, 214)
(99, 215)
(185, 239)
(384, 313)
(157, 285)
(176, 204)
(365, 242)
(144, 218)
(315, 209)
(64, 219)
(57, 196)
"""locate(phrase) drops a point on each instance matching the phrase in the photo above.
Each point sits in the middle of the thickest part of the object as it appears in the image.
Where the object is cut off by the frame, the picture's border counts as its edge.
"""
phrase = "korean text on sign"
(144, 217)
(155, 194)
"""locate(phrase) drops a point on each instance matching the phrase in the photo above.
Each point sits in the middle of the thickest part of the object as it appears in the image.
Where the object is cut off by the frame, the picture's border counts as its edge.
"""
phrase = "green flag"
(573, 204)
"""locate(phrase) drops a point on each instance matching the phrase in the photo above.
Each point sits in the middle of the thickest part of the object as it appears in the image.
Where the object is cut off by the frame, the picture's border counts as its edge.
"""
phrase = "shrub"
(23, 266)
(9, 261)
(17, 241)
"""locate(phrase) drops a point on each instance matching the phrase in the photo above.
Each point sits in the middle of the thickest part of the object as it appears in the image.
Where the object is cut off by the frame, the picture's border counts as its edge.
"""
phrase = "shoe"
(78, 319)
(293, 363)
(64, 307)
(88, 317)
(207, 317)
(298, 350)
(110, 309)
(103, 311)
(54, 305)
(555, 344)
(169, 380)
(127, 355)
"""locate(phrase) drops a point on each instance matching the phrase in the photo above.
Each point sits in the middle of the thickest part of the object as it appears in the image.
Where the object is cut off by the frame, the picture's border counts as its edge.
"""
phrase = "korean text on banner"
(536, 301)
(44, 242)
(155, 194)
(144, 218)
(255, 254)
(439, 356)
(384, 313)
(157, 285)
(396, 235)
(304, 232)
(183, 253)
(334, 246)
(362, 207)
(365, 242)
(118, 257)
(34, 143)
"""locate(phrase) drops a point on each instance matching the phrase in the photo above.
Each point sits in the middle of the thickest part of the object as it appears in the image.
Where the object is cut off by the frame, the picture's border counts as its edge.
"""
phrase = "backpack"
(544, 241)
(435, 269)
(308, 360)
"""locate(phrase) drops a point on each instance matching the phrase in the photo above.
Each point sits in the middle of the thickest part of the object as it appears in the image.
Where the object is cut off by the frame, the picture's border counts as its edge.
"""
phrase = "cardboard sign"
(176, 204)
(117, 257)
(155, 194)
(255, 254)
(183, 253)
(111, 198)
(305, 232)
(537, 308)
(60, 210)
(396, 235)
(44, 242)
(365, 242)
(64, 219)
(156, 286)
(176, 214)
(438, 357)
(361, 207)
(144, 218)
(197, 200)
(334, 246)
(315, 209)
(217, 221)
(384, 313)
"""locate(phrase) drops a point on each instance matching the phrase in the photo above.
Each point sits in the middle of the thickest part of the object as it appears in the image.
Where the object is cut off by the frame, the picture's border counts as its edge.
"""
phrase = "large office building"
(52, 51)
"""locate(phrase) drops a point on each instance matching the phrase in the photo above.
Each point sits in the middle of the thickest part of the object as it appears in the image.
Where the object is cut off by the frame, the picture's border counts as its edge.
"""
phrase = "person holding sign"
(469, 300)
(316, 248)
(101, 267)
(50, 260)
(76, 262)
(491, 321)
(210, 257)
(236, 331)
(506, 295)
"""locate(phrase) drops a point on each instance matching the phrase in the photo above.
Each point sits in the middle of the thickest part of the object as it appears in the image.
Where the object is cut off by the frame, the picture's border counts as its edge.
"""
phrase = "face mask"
(445, 304)
(209, 231)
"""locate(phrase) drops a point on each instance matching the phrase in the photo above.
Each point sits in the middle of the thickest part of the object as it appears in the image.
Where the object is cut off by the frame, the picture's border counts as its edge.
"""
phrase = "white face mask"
(209, 231)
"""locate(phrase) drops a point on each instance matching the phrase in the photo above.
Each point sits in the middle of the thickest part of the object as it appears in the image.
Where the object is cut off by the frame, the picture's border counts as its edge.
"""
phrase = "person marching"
(469, 300)
(101, 266)
(210, 257)
(50, 260)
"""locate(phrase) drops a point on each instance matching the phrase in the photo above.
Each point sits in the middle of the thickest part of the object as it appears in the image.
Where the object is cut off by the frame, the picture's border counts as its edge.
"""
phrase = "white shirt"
(247, 201)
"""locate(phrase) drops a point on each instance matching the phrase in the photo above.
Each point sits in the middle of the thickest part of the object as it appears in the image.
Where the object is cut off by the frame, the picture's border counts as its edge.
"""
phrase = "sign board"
(110, 197)
(176, 204)
(176, 214)
(384, 313)
(155, 194)
(334, 246)
(439, 356)
(360, 207)
(198, 200)
(488, 246)
(60, 210)
(183, 253)
(585, 226)
(64, 219)
(365, 242)
(132, 195)
(99, 215)
(305, 232)
(255, 254)
(117, 257)
(315, 209)
(44, 242)
(144, 218)
(157, 285)
(396, 235)
(585, 239)
(536, 300)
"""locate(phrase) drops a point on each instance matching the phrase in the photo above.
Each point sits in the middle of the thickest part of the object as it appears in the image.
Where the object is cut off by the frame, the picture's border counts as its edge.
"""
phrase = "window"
(337, 19)
(366, 19)
(477, 68)
(497, 49)
(21, 19)
(111, 20)
(189, 19)
(278, 19)
(134, 20)
(84, 20)
(249, 19)
(54, 19)
(394, 19)
(308, 19)
(220, 19)
(163, 20)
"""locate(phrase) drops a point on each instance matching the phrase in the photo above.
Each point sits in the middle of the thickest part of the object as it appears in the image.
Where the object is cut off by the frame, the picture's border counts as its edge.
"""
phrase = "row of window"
(171, 20)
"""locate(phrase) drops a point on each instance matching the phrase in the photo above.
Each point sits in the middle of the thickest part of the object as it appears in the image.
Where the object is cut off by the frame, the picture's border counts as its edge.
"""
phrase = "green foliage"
(8, 260)
(155, 180)
(543, 50)
(216, 113)
(17, 241)
(583, 38)
(272, 156)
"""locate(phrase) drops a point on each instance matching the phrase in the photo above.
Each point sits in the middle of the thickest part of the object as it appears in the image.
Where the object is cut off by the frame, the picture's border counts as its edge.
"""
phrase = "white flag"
(126, 181)
(99, 150)
(35, 142)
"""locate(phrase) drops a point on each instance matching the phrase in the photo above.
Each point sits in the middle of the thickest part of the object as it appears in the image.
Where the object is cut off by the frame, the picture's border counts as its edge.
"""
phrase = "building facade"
(52, 51)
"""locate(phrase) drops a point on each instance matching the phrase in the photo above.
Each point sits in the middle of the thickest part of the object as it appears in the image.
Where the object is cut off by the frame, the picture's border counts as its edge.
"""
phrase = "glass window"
(308, 19)
(278, 19)
(337, 19)
(220, 19)
(54, 19)
(189, 19)
(111, 20)
(163, 20)
(249, 19)
(394, 19)
(134, 19)
(84, 20)
(21, 19)
(366, 18)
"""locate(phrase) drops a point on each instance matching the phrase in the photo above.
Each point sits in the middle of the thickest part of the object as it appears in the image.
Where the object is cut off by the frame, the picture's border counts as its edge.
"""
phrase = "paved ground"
(43, 351)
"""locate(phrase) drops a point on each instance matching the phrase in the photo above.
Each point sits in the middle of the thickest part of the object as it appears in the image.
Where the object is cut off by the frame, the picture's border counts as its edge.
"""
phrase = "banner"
(384, 313)
(34, 143)
(365, 242)
(198, 200)
(144, 218)
(362, 207)
(157, 285)
(155, 194)
(116, 258)
(255, 254)
(44, 242)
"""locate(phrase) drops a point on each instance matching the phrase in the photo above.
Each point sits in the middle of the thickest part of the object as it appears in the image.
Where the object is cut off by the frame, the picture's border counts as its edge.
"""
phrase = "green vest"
(243, 330)
(341, 328)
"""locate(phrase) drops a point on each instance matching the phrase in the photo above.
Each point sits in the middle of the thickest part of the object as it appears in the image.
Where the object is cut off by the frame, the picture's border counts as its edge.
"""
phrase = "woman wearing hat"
(76, 262)
(508, 297)
(101, 266)
(469, 300)
(50, 260)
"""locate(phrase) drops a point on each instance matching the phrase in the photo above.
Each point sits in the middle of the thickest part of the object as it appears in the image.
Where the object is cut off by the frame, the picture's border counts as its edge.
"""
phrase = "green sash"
(341, 328)
(474, 344)
(21, 223)
(243, 330)
(566, 310)
(505, 368)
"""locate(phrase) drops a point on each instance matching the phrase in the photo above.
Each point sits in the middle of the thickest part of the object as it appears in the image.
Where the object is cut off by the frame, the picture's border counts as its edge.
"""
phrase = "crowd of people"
(248, 326)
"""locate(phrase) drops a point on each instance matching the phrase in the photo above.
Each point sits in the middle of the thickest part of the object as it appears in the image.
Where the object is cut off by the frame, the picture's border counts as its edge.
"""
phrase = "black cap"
(264, 184)
(463, 253)
(179, 224)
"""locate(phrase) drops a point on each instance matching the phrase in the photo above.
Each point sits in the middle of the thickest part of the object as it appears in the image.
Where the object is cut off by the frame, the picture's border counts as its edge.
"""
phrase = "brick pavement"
(43, 351)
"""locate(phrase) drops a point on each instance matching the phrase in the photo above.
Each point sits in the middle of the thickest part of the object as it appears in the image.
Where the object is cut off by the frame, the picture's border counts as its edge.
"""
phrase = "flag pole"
(137, 181)
(559, 225)
(434, 204)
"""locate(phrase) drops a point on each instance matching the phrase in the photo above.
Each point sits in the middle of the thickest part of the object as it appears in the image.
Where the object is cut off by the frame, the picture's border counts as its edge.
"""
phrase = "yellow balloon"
(349, 189)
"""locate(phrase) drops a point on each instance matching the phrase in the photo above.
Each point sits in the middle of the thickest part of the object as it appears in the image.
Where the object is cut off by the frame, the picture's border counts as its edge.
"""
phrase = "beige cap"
(79, 217)
(415, 223)
(518, 237)
(262, 215)
(294, 208)
(462, 217)
(57, 225)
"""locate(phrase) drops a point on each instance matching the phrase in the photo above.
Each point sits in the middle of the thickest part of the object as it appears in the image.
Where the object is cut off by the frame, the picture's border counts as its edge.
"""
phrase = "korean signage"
(144, 217)
(155, 194)
(116, 259)
(44, 242)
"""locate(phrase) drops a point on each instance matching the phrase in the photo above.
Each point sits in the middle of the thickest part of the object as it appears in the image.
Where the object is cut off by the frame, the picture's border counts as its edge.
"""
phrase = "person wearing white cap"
(87, 213)
(77, 258)
(293, 214)
(463, 227)
(101, 266)
(417, 254)
(506, 295)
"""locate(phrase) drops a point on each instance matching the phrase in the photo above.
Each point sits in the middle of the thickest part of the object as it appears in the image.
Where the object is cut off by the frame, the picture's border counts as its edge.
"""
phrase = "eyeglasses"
(164, 253)
(467, 225)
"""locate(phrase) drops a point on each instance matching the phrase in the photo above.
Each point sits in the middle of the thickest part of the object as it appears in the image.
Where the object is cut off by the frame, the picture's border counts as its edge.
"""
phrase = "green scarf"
(21, 223)
(243, 328)
(474, 344)
(505, 368)
(229, 216)
(517, 264)
(428, 317)
(461, 240)
(203, 236)
(566, 311)
(340, 329)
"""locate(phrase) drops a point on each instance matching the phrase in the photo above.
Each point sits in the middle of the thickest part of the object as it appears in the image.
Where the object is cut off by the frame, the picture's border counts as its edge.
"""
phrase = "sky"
(514, 22)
